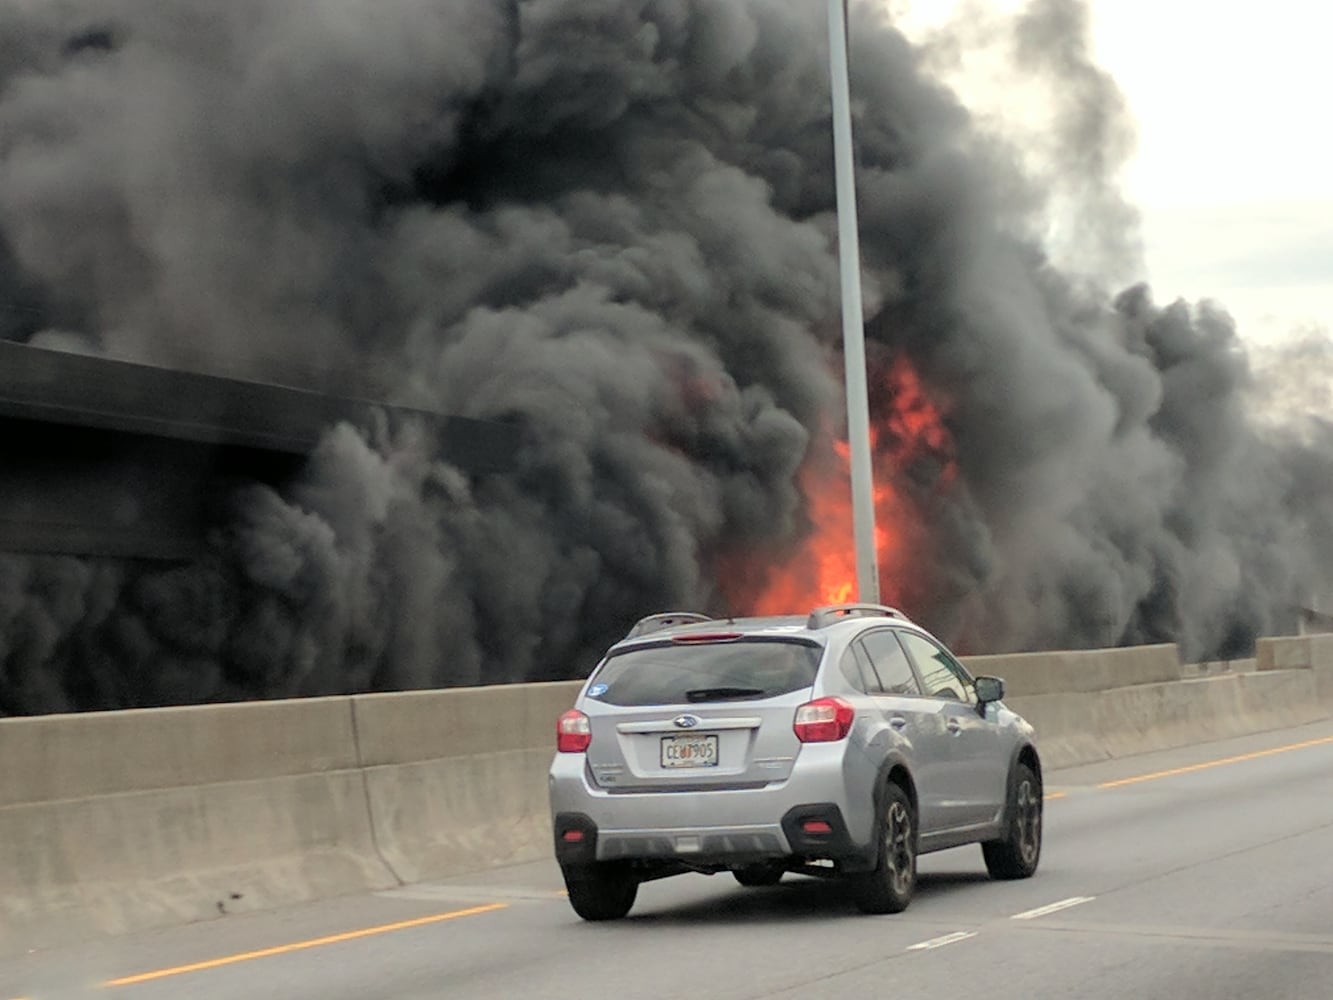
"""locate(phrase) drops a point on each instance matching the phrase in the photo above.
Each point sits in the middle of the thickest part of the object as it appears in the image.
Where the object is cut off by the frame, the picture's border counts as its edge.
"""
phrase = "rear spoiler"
(668, 619)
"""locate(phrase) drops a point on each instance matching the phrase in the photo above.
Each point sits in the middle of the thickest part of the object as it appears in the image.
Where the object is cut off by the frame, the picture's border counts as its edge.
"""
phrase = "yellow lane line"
(1052, 796)
(286, 949)
(1323, 741)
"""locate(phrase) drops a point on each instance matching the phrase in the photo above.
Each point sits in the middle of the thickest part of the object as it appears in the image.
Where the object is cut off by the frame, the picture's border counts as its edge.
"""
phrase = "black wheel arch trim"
(896, 760)
(887, 766)
(1015, 758)
(1016, 755)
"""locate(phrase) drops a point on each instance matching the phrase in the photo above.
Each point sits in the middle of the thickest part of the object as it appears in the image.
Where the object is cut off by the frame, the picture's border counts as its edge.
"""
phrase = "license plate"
(689, 751)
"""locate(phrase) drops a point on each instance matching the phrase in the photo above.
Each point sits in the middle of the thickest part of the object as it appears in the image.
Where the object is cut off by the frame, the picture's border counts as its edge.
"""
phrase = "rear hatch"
(699, 711)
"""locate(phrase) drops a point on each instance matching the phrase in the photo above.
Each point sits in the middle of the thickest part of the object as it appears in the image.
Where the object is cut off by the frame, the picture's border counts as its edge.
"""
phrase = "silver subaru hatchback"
(840, 744)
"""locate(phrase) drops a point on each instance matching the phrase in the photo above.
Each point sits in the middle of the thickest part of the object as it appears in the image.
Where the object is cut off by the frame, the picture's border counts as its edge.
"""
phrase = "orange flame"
(823, 569)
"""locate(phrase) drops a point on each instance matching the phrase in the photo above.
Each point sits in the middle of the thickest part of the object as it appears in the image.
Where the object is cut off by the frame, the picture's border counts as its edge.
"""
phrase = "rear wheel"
(760, 874)
(888, 887)
(1017, 854)
(602, 890)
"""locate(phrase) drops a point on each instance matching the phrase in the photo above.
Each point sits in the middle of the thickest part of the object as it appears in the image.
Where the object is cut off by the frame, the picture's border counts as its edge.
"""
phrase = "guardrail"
(111, 822)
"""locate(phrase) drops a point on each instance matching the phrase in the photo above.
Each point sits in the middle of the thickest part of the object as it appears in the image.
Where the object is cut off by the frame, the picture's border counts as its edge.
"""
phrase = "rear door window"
(891, 665)
(853, 671)
(694, 673)
(941, 675)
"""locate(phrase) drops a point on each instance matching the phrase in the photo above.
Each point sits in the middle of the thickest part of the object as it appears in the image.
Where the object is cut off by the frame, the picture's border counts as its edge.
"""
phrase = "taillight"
(573, 732)
(824, 721)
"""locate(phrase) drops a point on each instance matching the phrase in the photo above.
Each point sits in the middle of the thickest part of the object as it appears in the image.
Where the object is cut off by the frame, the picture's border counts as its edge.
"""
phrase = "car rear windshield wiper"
(722, 693)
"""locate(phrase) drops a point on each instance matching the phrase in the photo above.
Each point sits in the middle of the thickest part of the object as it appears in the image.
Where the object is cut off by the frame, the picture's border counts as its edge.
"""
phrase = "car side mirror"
(989, 689)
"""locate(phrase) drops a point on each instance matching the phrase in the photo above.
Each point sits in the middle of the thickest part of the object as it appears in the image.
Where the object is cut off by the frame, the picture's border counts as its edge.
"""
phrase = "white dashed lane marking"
(1050, 908)
(1041, 911)
(940, 942)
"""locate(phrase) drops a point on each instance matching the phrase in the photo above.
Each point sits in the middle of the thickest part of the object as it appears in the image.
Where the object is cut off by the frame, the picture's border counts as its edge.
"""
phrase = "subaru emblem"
(685, 721)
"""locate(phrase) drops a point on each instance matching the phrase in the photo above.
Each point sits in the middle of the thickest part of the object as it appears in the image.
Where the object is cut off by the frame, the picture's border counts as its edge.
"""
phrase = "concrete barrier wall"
(117, 821)
(457, 779)
(412, 726)
(102, 753)
(78, 868)
(1082, 728)
(1303, 652)
(121, 821)
(1079, 670)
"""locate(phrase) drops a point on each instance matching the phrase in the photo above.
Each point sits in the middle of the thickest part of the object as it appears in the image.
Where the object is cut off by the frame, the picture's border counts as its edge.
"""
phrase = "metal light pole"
(853, 330)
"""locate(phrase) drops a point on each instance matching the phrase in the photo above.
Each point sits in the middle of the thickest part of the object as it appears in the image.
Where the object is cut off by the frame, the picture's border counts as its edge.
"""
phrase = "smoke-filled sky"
(1230, 171)
(612, 220)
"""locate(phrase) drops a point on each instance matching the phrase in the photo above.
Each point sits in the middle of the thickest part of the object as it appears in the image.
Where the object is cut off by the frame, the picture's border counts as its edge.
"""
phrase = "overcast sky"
(1234, 167)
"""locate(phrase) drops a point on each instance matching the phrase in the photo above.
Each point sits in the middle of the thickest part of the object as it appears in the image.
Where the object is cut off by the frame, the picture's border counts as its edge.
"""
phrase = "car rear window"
(694, 673)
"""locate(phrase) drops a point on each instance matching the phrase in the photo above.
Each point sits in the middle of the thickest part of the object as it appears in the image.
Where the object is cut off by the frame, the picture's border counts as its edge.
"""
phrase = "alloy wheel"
(1029, 821)
(898, 847)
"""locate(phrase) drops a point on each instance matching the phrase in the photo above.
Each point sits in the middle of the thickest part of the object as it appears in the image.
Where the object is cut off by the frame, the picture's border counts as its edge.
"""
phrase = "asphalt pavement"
(1204, 873)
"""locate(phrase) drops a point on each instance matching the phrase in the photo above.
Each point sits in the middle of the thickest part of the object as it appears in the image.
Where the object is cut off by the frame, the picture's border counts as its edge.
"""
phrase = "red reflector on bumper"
(816, 826)
(572, 836)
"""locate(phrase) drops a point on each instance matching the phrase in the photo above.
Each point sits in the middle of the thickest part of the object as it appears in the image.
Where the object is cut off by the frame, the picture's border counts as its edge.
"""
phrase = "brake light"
(826, 720)
(573, 732)
(707, 637)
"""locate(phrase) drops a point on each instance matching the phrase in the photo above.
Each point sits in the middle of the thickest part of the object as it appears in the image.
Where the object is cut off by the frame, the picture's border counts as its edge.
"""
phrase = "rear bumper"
(814, 830)
(575, 839)
(715, 827)
(818, 830)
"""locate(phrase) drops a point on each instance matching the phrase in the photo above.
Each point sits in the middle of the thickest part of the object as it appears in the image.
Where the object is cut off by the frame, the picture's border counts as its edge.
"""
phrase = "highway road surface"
(1199, 874)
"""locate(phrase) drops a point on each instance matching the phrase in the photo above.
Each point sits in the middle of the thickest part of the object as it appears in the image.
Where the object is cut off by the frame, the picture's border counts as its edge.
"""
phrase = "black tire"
(1018, 853)
(760, 874)
(601, 890)
(888, 887)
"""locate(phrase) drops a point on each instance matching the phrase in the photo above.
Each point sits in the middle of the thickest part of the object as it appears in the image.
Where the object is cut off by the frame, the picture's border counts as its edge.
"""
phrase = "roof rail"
(668, 619)
(825, 616)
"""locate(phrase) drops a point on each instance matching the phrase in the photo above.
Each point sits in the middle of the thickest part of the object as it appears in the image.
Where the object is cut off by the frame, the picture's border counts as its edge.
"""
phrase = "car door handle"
(954, 726)
(898, 722)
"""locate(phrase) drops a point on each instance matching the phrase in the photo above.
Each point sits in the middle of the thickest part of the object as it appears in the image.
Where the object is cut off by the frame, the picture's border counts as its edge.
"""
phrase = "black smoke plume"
(611, 221)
